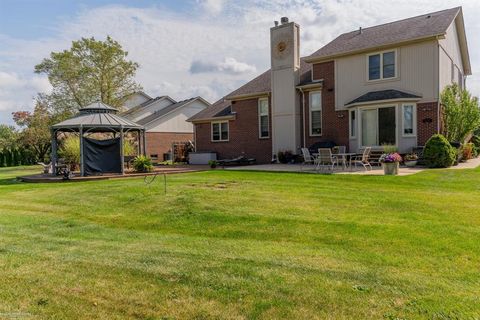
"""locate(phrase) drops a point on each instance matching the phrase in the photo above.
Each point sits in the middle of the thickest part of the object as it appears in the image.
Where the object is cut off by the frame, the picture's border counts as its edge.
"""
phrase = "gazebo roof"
(97, 115)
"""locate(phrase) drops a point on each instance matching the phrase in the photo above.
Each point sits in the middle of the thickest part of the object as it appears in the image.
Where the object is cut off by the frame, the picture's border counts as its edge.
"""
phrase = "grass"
(242, 245)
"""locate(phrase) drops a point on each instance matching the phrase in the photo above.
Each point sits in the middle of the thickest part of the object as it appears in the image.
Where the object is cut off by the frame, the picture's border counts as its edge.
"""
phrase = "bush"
(70, 150)
(2, 160)
(468, 151)
(285, 156)
(142, 164)
(439, 153)
(212, 164)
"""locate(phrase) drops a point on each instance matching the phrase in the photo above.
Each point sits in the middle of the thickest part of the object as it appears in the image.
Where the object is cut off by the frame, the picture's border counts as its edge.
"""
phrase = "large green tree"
(461, 114)
(8, 137)
(90, 70)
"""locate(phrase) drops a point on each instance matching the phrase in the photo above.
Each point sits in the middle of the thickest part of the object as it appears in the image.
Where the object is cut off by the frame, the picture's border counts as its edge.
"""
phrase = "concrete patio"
(376, 170)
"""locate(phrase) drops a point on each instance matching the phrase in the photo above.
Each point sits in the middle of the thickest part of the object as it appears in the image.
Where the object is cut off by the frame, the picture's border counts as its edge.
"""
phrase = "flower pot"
(390, 168)
(410, 163)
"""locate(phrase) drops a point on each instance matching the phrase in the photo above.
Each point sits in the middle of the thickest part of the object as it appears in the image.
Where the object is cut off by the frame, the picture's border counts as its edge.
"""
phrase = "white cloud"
(229, 65)
(229, 51)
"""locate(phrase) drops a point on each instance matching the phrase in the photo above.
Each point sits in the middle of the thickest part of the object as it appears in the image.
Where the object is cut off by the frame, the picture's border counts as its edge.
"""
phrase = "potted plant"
(390, 163)
(410, 159)
(212, 164)
(142, 163)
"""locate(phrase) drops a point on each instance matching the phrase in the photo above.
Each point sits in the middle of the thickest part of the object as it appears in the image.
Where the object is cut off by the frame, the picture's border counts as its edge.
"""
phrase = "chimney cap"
(284, 20)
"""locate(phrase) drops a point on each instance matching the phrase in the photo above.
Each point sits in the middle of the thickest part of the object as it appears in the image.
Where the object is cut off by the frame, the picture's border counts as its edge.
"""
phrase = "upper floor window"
(263, 118)
(315, 113)
(220, 131)
(382, 65)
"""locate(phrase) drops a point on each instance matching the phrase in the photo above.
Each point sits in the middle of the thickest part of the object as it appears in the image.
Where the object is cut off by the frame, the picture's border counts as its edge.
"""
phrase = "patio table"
(344, 156)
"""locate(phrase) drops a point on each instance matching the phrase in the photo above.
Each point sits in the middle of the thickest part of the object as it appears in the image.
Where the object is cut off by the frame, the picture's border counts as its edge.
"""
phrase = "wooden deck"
(45, 178)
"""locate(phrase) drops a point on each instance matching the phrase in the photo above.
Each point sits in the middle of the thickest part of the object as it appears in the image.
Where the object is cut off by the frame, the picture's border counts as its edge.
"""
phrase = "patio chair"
(47, 167)
(340, 150)
(307, 158)
(363, 159)
(326, 159)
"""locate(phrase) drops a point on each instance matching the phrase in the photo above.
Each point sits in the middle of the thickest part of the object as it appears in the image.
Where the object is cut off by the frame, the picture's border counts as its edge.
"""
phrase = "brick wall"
(427, 121)
(161, 142)
(243, 135)
(334, 123)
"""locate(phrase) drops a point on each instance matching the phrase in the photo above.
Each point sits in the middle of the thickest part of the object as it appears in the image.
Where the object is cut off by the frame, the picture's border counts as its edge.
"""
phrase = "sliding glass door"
(378, 126)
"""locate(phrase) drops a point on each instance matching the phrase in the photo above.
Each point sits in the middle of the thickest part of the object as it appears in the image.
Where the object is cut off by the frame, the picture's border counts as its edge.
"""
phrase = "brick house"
(369, 87)
(164, 120)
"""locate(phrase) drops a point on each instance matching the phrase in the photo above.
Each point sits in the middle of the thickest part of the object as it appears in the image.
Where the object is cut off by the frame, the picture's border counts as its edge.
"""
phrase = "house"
(368, 87)
(164, 120)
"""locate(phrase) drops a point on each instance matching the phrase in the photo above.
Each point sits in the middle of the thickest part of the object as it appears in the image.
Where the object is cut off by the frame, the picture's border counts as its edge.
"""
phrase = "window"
(353, 124)
(263, 118)
(315, 113)
(408, 111)
(382, 65)
(220, 131)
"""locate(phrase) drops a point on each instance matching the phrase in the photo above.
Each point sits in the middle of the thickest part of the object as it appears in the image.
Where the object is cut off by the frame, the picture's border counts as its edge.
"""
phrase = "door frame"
(376, 107)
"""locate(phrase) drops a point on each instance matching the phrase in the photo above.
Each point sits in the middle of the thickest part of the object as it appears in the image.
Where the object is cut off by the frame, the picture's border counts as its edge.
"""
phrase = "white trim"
(414, 120)
(220, 127)
(259, 118)
(381, 53)
(360, 127)
(310, 113)
(352, 132)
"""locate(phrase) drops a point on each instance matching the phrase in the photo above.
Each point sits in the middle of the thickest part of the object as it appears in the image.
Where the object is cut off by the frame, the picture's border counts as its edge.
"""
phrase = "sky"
(191, 47)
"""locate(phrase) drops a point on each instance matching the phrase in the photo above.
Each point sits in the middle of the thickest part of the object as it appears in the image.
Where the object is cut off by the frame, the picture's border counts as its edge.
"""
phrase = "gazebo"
(98, 156)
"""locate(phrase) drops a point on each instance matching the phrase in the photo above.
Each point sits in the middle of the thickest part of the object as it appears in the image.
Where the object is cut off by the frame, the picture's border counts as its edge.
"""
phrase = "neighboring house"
(369, 87)
(164, 120)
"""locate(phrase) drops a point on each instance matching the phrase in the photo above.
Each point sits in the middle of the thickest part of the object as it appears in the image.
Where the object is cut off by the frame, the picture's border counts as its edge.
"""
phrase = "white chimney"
(285, 61)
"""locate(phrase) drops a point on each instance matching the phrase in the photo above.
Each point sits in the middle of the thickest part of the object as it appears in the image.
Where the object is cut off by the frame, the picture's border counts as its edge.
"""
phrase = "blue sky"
(170, 39)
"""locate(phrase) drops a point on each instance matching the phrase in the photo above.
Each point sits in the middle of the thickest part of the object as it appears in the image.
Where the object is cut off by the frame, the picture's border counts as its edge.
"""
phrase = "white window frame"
(360, 127)
(310, 113)
(260, 116)
(414, 119)
(353, 131)
(395, 51)
(220, 127)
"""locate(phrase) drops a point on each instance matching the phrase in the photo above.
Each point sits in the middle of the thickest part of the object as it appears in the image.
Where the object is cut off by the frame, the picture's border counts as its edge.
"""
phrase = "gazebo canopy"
(99, 116)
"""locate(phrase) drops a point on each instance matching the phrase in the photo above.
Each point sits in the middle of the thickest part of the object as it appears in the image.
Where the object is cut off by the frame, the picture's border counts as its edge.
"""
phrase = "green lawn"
(242, 245)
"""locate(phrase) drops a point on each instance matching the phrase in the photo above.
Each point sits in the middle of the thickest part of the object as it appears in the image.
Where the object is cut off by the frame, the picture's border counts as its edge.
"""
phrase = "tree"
(90, 70)
(461, 114)
(8, 137)
(36, 129)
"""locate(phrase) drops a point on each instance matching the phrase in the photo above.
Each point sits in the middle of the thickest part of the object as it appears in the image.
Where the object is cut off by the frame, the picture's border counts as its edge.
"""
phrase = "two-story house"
(369, 87)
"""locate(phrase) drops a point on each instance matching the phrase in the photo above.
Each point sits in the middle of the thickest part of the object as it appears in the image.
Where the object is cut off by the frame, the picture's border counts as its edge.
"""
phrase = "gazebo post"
(53, 156)
(82, 162)
(122, 157)
(144, 143)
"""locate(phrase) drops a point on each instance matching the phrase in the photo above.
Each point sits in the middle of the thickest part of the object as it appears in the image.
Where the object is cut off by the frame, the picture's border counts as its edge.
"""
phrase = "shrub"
(285, 156)
(212, 164)
(129, 148)
(468, 151)
(2, 160)
(142, 164)
(439, 153)
(70, 150)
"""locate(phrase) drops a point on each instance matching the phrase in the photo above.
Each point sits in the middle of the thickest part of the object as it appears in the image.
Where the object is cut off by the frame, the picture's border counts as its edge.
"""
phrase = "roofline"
(248, 96)
(203, 120)
(317, 84)
(462, 39)
(375, 48)
(180, 106)
(381, 101)
(133, 110)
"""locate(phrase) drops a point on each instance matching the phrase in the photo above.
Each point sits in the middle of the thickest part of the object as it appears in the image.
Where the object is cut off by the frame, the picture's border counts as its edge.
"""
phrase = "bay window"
(408, 120)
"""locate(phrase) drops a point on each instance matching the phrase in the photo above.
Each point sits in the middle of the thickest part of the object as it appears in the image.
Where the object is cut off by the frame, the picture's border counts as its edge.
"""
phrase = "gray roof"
(145, 103)
(383, 95)
(164, 111)
(420, 27)
(221, 108)
(97, 115)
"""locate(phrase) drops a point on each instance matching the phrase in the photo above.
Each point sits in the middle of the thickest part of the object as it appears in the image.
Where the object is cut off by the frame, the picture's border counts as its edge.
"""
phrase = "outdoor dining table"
(344, 156)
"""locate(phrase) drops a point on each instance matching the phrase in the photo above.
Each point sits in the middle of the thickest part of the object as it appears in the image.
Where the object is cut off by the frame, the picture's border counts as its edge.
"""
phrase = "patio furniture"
(345, 158)
(339, 149)
(323, 144)
(47, 168)
(307, 158)
(239, 161)
(325, 159)
(363, 158)
(60, 166)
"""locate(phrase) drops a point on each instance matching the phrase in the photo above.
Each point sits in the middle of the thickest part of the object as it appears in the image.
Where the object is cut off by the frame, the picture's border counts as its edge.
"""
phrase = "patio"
(376, 170)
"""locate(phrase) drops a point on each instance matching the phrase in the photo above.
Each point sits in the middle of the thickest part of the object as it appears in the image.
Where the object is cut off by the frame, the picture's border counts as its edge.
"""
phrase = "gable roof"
(383, 95)
(406, 30)
(221, 108)
(145, 104)
(164, 111)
